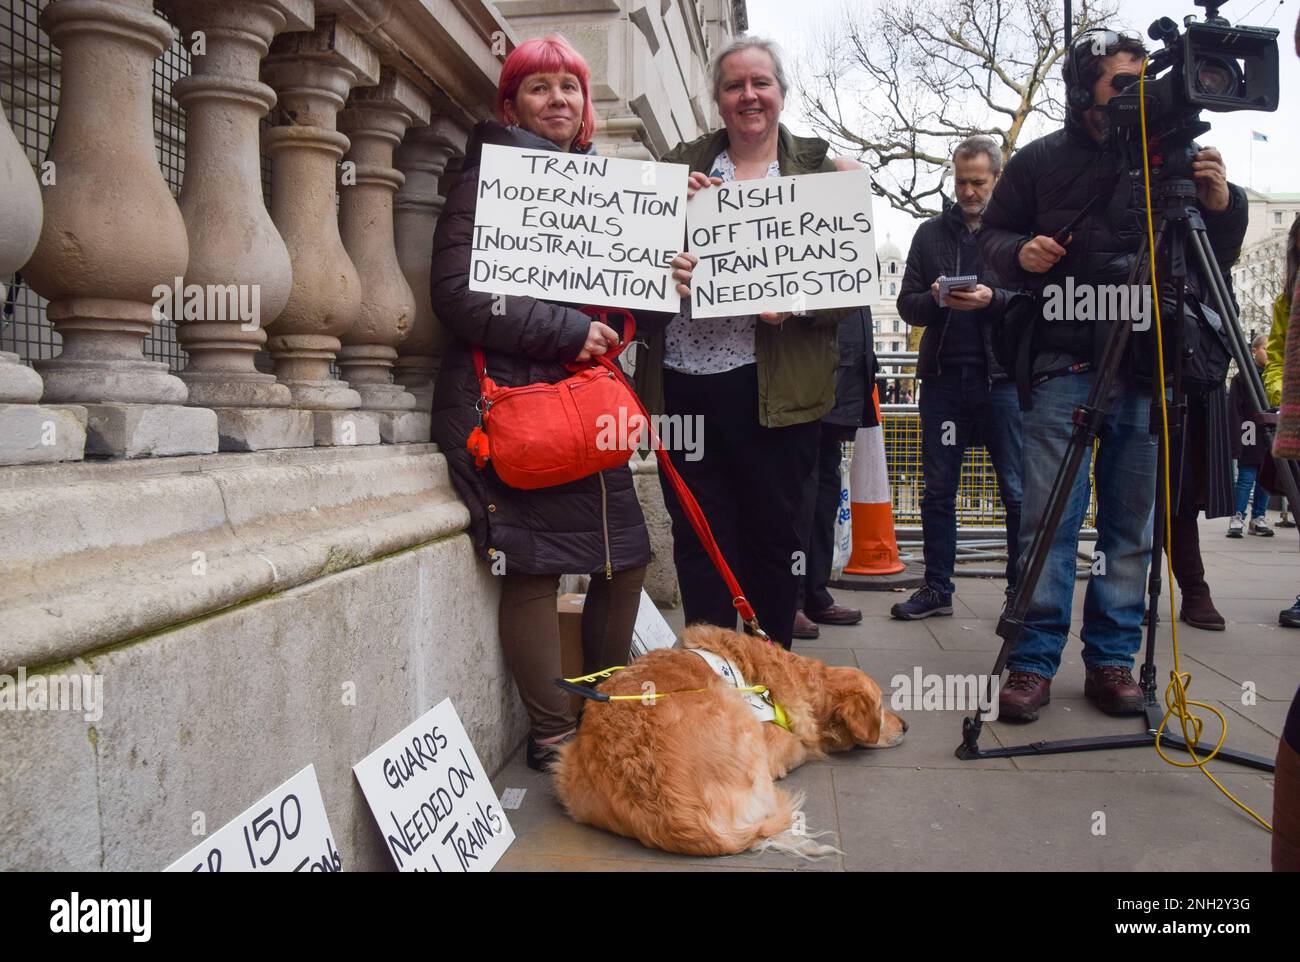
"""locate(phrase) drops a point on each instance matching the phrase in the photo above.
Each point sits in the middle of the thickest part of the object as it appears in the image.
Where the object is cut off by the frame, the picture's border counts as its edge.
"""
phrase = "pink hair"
(549, 54)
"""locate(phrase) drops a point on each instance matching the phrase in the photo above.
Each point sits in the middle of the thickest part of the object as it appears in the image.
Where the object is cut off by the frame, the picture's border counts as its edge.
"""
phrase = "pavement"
(919, 807)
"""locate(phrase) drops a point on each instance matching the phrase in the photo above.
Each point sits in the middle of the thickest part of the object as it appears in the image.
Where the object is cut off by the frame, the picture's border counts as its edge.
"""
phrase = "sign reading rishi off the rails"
(783, 244)
(578, 228)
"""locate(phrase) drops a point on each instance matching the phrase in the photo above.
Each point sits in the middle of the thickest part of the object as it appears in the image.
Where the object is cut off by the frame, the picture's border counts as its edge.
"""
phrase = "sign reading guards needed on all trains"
(578, 228)
(432, 798)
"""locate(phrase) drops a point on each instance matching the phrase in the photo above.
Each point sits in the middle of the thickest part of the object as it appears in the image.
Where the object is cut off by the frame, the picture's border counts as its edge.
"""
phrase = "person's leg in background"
(1002, 437)
(1286, 794)
(608, 618)
(944, 435)
(1258, 507)
(767, 478)
(715, 400)
(530, 640)
(1047, 428)
(1246, 476)
(1197, 608)
(815, 604)
(1113, 606)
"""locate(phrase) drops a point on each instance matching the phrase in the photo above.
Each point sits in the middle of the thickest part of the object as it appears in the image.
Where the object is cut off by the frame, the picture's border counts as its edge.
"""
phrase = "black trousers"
(821, 501)
(749, 483)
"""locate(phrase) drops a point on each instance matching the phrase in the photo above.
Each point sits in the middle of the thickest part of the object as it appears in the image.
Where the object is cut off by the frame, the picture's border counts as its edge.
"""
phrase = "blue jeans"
(959, 408)
(1247, 474)
(1125, 472)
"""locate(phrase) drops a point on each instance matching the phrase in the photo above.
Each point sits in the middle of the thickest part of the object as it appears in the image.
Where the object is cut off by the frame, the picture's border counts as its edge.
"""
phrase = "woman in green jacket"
(754, 385)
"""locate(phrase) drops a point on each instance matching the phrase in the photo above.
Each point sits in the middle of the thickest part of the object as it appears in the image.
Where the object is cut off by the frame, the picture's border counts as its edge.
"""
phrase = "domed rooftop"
(888, 251)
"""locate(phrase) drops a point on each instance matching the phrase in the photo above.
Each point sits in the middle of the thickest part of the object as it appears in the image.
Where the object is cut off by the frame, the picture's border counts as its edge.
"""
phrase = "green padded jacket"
(797, 359)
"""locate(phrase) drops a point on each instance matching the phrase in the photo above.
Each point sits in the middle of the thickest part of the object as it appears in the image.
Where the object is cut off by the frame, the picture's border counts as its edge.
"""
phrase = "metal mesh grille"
(29, 87)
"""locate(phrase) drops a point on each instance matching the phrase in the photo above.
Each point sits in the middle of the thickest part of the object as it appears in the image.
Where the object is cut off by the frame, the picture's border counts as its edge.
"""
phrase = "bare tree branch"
(899, 84)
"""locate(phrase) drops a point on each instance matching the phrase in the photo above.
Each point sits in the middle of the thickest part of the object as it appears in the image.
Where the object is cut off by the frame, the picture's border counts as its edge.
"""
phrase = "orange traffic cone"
(875, 550)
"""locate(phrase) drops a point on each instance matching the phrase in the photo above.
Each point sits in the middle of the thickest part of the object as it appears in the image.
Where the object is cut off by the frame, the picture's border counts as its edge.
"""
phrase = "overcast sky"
(1276, 163)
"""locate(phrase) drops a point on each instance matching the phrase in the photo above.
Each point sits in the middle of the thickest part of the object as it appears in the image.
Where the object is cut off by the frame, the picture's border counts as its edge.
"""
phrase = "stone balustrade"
(329, 279)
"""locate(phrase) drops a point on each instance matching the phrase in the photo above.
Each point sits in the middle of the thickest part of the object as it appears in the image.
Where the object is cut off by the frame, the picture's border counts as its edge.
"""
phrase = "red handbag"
(541, 435)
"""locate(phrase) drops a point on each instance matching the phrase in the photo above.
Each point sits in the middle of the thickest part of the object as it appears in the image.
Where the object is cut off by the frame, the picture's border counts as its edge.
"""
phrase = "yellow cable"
(1176, 702)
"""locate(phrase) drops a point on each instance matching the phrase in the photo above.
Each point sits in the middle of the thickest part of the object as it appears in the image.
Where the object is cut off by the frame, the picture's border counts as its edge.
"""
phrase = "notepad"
(966, 282)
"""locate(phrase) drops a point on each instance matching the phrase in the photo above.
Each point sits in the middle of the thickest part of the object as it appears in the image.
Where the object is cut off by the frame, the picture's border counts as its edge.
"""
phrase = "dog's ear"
(855, 705)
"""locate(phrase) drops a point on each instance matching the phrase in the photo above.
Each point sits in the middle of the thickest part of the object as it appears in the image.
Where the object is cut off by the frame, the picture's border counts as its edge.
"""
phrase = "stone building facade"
(1258, 275)
(239, 525)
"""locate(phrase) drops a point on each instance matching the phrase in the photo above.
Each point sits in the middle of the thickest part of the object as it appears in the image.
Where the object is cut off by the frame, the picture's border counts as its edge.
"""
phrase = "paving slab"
(919, 807)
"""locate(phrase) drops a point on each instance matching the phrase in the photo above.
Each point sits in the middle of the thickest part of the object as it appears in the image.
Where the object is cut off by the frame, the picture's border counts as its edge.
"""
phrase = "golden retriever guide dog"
(695, 772)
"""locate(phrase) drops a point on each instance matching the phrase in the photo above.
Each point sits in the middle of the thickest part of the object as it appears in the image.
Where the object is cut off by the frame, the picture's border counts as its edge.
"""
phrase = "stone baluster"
(312, 73)
(422, 158)
(239, 267)
(113, 235)
(29, 432)
(375, 120)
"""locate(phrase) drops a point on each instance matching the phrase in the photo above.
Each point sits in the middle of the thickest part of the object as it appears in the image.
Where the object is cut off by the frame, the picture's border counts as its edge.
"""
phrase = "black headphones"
(1079, 96)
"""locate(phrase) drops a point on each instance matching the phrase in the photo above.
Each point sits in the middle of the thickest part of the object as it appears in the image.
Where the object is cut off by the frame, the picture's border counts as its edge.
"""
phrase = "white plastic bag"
(843, 517)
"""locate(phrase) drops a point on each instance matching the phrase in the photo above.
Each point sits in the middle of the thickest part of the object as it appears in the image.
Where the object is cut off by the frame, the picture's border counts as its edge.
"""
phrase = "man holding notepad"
(966, 397)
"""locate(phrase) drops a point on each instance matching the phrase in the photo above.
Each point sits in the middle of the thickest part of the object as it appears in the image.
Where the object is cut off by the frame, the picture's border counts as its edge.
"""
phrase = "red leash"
(684, 497)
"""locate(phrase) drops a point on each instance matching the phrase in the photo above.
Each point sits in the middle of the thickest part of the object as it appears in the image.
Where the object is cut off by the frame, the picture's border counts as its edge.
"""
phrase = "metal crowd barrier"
(981, 518)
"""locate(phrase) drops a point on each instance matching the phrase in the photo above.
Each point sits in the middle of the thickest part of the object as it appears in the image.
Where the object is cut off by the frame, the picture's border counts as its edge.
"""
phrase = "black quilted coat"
(576, 528)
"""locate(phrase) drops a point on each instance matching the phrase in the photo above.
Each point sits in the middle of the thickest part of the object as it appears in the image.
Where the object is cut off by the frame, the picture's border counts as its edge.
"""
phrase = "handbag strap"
(695, 515)
(601, 314)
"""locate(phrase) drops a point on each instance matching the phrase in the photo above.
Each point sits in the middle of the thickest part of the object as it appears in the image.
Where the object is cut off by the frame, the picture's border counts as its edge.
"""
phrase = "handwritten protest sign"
(287, 831)
(783, 244)
(578, 228)
(432, 798)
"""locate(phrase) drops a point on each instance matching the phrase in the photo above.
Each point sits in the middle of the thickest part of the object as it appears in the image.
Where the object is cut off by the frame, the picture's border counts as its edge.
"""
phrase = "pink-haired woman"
(593, 525)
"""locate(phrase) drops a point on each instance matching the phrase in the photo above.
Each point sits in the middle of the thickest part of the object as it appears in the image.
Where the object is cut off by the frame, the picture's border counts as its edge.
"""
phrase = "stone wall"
(338, 598)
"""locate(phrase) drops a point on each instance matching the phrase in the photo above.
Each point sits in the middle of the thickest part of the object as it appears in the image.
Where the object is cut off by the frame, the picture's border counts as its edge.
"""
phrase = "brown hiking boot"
(1113, 690)
(804, 627)
(1022, 695)
(1199, 612)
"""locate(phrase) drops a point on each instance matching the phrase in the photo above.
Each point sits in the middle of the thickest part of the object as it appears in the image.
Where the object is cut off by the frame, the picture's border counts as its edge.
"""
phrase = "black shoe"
(924, 603)
(1290, 618)
(540, 757)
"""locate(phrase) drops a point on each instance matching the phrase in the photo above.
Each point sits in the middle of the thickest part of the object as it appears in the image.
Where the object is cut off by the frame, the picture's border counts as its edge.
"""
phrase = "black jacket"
(934, 252)
(572, 528)
(855, 375)
(1247, 455)
(1045, 185)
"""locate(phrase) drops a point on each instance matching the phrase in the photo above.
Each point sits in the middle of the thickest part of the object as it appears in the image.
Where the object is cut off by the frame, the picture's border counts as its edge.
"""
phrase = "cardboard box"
(569, 609)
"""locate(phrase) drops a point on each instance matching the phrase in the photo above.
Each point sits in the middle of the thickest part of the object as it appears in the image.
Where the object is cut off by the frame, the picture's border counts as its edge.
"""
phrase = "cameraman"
(1045, 185)
(966, 397)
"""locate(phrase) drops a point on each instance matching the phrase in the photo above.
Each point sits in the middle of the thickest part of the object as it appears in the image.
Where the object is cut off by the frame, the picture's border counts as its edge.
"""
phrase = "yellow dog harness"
(758, 697)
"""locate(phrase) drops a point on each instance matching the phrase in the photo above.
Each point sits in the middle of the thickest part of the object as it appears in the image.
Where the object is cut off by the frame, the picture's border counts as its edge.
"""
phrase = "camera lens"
(1216, 76)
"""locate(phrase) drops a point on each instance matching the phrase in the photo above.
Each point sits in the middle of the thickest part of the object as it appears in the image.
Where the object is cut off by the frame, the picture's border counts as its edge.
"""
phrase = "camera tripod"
(1180, 230)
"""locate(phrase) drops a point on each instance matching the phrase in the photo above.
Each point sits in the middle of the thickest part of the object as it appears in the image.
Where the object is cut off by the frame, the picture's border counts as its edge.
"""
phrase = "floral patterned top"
(712, 345)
